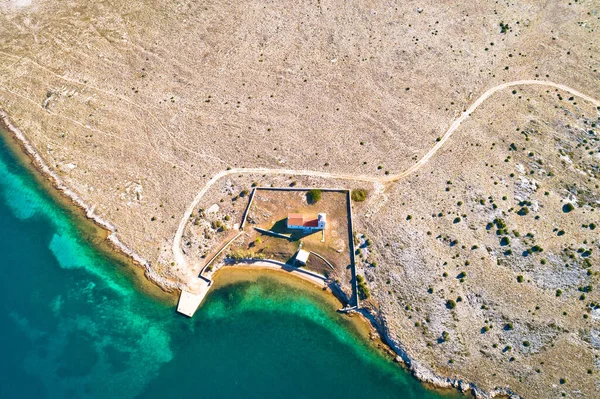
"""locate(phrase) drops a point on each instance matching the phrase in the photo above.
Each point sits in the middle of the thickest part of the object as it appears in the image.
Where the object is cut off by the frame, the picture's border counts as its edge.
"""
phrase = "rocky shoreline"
(40, 165)
(425, 374)
(377, 321)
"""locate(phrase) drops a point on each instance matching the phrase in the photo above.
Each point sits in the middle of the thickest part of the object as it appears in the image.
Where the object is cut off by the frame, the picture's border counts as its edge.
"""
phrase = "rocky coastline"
(113, 240)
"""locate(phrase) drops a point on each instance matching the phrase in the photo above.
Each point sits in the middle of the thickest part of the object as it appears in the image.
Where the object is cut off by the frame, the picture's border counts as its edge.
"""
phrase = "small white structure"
(297, 221)
(302, 257)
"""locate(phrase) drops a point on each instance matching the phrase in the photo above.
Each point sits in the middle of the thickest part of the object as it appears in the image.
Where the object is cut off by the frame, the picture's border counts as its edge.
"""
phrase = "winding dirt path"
(178, 253)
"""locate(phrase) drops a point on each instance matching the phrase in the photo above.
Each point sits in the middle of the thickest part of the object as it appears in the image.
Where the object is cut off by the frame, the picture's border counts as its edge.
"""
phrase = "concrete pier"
(189, 302)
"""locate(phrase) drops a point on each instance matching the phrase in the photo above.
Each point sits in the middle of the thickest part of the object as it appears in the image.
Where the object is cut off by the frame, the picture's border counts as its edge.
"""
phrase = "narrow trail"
(177, 251)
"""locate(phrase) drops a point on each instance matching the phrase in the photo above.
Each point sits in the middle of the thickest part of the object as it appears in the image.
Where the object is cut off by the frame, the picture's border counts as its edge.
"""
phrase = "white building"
(297, 221)
(302, 257)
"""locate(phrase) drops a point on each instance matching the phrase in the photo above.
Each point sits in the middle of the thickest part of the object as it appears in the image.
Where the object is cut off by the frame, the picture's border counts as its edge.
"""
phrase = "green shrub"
(363, 289)
(450, 304)
(537, 248)
(217, 225)
(359, 195)
(314, 196)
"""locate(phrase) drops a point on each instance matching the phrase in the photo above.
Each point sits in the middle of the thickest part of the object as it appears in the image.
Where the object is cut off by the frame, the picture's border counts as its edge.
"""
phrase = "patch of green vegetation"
(363, 289)
(218, 226)
(314, 196)
(359, 195)
(445, 336)
(239, 255)
(450, 304)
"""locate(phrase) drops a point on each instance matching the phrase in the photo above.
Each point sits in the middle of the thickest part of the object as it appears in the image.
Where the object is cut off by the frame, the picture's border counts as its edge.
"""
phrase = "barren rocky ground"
(136, 105)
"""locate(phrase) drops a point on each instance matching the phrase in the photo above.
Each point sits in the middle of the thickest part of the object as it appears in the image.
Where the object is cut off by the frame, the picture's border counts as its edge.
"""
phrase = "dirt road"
(178, 253)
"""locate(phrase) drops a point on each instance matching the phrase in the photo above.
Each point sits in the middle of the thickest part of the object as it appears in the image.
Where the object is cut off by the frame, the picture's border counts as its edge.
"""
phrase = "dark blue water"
(74, 325)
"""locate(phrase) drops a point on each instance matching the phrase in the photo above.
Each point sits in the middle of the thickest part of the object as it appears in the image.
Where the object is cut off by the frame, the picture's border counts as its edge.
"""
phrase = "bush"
(568, 207)
(445, 336)
(359, 195)
(314, 196)
(450, 304)
(363, 289)
(239, 255)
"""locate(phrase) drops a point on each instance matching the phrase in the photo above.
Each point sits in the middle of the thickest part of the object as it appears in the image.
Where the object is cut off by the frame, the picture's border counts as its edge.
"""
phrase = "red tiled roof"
(295, 219)
(311, 223)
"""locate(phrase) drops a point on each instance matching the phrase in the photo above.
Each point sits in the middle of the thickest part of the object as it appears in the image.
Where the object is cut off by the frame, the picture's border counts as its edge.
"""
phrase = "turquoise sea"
(74, 325)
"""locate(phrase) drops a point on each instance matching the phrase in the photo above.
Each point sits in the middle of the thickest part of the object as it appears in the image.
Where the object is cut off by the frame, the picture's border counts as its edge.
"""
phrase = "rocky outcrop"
(423, 373)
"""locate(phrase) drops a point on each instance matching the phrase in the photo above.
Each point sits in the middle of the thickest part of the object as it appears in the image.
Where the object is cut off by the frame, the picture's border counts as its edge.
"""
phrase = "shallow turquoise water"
(74, 326)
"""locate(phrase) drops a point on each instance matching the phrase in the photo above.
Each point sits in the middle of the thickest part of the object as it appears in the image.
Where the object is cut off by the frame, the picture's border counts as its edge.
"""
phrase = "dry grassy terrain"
(136, 105)
(515, 238)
